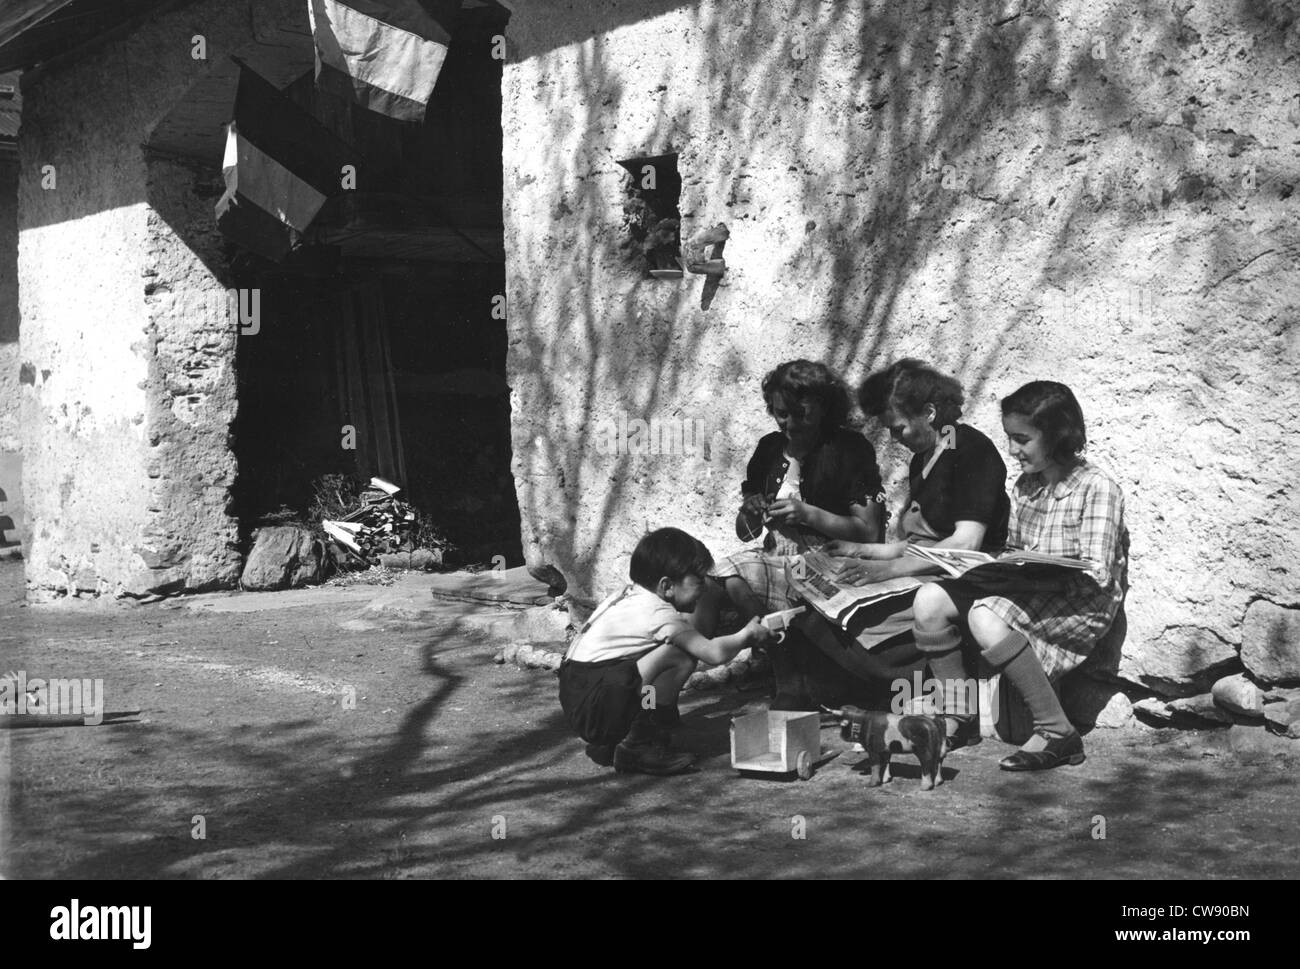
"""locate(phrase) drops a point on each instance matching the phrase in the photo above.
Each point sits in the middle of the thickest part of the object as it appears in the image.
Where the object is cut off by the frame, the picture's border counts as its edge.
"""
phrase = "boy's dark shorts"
(601, 699)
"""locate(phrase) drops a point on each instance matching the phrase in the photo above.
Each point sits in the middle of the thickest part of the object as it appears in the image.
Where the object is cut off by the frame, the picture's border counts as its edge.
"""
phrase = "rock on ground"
(283, 557)
(421, 560)
(1239, 695)
(1093, 703)
(1196, 711)
(1283, 718)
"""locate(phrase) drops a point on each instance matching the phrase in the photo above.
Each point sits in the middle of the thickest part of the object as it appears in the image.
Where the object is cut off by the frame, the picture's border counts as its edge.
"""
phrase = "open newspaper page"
(813, 575)
(957, 562)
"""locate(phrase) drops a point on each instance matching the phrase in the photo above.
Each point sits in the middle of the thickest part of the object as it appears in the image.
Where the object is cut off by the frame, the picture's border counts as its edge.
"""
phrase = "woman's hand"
(843, 548)
(789, 511)
(754, 504)
(865, 571)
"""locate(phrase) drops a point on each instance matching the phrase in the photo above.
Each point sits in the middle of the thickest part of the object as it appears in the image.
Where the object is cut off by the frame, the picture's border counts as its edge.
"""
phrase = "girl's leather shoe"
(1059, 750)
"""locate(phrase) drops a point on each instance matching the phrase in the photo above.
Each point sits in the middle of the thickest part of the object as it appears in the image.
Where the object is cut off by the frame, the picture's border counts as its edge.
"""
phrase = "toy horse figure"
(884, 734)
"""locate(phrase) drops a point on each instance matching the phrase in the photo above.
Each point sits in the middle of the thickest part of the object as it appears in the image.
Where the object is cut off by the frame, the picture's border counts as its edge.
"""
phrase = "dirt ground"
(244, 723)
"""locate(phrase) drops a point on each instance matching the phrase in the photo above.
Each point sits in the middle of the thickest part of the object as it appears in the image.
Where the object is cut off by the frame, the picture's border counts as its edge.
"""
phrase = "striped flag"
(280, 166)
(382, 54)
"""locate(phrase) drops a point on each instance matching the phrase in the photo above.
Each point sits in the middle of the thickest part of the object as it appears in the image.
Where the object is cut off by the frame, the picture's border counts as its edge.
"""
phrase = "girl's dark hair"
(907, 385)
(1052, 408)
(803, 380)
(668, 552)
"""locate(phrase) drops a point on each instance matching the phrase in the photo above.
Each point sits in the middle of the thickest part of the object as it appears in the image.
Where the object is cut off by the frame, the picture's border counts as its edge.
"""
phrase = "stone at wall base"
(1237, 694)
(1094, 703)
(1283, 718)
(555, 581)
(283, 557)
(1191, 712)
(1270, 642)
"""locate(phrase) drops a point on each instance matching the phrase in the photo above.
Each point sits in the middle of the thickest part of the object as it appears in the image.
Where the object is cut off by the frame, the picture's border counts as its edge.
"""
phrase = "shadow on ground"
(444, 750)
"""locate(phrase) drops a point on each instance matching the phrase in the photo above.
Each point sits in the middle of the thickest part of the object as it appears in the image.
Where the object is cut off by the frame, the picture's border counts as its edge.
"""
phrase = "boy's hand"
(756, 634)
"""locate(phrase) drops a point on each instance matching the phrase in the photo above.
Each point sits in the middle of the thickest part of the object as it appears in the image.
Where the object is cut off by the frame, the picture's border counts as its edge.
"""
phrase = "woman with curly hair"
(811, 481)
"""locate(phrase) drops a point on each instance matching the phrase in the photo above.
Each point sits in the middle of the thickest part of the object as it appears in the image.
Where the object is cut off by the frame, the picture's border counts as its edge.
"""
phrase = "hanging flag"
(382, 54)
(280, 166)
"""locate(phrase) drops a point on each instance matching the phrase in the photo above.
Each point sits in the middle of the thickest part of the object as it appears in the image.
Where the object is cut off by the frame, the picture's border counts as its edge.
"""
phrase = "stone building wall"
(10, 366)
(1098, 193)
(127, 466)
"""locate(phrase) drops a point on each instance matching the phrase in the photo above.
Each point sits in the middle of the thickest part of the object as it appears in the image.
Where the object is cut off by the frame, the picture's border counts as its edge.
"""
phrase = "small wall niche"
(651, 215)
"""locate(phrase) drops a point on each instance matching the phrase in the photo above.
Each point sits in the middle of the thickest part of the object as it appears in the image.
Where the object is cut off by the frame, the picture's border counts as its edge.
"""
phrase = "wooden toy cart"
(778, 742)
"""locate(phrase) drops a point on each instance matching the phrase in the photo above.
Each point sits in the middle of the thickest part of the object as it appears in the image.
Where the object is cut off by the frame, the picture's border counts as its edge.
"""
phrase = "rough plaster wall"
(190, 399)
(10, 455)
(1097, 226)
(127, 465)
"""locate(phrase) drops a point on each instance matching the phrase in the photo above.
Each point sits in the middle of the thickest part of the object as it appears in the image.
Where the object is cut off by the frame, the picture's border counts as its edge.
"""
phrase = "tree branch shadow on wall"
(879, 238)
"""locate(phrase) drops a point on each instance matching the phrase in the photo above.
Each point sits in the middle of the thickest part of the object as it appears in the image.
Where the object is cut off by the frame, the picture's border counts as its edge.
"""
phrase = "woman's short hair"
(668, 552)
(906, 386)
(803, 380)
(1053, 410)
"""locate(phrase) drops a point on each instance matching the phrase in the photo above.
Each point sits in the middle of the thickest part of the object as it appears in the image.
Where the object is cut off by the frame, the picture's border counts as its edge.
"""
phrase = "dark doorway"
(382, 325)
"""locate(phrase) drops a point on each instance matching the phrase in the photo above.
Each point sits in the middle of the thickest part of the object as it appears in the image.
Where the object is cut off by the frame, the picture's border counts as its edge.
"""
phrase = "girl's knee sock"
(942, 648)
(1025, 673)
(949, 669)
(942, 640)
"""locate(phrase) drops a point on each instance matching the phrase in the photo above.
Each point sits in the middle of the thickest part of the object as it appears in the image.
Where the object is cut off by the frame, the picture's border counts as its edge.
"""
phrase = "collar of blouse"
(1034, 484)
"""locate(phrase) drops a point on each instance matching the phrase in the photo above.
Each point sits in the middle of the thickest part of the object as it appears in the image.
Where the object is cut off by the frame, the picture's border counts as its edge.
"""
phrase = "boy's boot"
(645, 749)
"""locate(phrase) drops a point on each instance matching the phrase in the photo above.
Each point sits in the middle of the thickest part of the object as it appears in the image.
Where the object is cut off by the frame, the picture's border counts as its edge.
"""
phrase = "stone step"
(512, 586)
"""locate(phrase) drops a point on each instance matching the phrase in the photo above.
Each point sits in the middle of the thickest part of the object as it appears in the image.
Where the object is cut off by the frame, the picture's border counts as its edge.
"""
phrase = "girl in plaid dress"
(1036, 626)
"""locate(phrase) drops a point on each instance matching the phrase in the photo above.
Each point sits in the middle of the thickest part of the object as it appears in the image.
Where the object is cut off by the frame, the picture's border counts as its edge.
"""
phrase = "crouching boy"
(622, 674)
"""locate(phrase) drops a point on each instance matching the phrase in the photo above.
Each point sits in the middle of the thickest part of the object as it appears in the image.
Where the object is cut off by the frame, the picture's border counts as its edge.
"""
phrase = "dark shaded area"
(652, 211)
(382, 307)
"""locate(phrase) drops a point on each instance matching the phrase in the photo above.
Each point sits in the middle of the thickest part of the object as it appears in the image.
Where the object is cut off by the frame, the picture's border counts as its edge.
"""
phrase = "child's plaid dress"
(1081, 517)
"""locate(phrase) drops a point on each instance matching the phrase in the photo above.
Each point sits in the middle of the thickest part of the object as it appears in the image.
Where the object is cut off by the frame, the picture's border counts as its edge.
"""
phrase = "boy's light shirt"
(627, 625)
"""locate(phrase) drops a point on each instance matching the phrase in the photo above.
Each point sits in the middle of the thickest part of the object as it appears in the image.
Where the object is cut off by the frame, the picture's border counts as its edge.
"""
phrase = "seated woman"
(956, 499)
(1034, 627)
(809, 482)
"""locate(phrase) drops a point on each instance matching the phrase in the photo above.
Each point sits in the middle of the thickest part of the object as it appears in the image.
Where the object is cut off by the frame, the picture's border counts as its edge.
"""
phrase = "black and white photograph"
(740, 440)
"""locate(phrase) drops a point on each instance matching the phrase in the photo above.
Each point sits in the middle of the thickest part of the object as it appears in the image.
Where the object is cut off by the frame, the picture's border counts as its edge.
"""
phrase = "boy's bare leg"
(665, 670)
(645, 749)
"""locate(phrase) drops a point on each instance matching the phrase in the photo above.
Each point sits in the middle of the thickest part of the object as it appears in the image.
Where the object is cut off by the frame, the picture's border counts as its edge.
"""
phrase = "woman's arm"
(968, 535)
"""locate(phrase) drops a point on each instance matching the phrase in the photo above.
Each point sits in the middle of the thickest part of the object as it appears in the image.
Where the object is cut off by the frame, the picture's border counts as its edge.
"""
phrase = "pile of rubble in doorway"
(380, 530)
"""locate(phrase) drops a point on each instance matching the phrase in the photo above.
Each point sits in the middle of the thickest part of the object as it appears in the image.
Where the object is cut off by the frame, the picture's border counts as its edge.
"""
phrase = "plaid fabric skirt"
(763, 573)
(1062, 624)
(762, 568)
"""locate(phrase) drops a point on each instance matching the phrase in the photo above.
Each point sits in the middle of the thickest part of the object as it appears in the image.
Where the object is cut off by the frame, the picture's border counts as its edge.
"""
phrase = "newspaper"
(957, 562)
(813, 576)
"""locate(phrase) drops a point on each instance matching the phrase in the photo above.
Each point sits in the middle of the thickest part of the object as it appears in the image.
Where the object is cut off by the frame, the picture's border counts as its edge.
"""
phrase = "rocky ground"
(248, 736)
